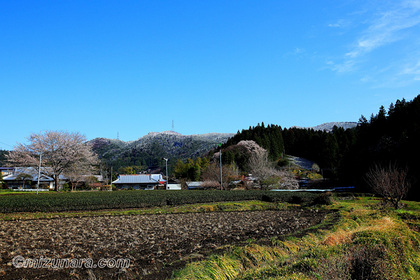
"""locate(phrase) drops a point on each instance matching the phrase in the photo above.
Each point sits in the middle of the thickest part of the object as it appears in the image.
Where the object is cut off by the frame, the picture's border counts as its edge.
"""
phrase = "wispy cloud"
(341, 23)
(298, 51)
(387, 28)
(412, 69)
(384, 28)
(346, 66)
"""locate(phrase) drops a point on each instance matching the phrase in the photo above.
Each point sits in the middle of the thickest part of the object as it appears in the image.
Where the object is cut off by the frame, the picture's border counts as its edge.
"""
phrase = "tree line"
(390, 136)
(325, 148)
(346, 155)
(268, 137)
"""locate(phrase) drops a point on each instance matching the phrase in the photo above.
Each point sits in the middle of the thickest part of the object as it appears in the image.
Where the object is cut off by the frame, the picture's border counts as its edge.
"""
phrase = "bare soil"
(155, 244)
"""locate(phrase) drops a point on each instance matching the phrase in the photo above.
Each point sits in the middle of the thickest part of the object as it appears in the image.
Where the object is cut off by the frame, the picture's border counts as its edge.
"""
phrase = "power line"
(6, 144)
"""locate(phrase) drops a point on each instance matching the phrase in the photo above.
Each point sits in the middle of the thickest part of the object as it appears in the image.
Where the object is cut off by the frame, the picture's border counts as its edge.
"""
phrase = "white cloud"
(346, 66)
(334, 25)
(298, 50)
(384, 28)
(341, 23)
(412, 69)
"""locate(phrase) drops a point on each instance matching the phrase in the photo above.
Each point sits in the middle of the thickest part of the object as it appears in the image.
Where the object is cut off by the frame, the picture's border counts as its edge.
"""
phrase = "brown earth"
(154, 244)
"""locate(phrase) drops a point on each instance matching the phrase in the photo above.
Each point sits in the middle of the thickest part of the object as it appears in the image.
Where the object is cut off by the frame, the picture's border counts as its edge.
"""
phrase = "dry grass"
(365, 244)
(343, 236)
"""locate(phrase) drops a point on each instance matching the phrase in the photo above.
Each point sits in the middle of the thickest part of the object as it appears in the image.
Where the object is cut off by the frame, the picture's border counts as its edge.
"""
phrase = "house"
(26, 178)
(139, 181)
(5, 171)
(194, 185)
(174, 187)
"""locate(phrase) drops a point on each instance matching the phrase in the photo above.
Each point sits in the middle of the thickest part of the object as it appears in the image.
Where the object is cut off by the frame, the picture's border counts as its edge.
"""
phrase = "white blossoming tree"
(60, 151)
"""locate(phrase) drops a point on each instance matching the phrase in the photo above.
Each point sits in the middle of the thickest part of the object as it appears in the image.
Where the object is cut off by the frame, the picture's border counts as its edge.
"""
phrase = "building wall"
(135, 186)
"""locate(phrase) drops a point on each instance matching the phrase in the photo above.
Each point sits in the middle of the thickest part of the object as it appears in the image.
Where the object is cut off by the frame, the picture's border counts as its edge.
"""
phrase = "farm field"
(209, 235)
(93, 201)
(154, 244)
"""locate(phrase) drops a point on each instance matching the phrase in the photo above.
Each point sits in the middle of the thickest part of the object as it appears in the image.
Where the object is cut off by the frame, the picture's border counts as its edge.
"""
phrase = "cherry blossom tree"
(60, 151)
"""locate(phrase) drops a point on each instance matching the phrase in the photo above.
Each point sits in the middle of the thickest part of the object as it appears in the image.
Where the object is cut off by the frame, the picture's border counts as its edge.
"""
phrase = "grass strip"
(251, 205)
(368, 241)
(93, 201)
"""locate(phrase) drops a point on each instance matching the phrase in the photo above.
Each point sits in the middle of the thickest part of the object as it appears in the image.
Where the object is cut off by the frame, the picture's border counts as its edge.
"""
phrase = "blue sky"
(104, 68)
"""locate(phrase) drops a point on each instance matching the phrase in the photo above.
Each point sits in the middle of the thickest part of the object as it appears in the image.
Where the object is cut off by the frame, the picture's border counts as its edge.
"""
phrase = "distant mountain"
(151, 148)
(329, 126)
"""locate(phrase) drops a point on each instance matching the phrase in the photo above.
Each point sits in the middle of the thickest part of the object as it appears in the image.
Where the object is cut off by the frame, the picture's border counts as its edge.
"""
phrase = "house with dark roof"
(194, 185)
(5, 171)
(26, 178)
(139, 181)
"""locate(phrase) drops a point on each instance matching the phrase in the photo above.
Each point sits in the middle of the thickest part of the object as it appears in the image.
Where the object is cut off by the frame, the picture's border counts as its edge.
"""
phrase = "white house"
(139, 181)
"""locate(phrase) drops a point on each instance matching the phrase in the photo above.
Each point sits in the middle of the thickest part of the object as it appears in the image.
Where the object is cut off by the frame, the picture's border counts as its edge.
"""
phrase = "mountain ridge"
(328, 126)
(149, 149)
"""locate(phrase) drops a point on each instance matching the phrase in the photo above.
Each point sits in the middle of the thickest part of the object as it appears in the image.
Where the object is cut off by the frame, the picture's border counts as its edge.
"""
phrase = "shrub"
(106, 188)
(66, 187)
(368, 262)
(323, 199)
(391, 182)
(80, 201)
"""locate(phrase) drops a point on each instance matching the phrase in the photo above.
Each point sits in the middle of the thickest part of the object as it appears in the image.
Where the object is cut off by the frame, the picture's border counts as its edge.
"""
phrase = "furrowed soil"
(155, 245)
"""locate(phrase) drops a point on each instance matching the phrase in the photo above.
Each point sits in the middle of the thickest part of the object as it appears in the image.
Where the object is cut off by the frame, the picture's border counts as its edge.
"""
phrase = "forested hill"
(330, 126)
(390, 137)
(325, 148)
(151, 148)
(270, 138)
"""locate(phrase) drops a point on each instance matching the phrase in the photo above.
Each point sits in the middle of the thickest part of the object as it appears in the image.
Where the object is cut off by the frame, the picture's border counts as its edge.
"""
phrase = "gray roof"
(139, 179)
(31, 171)
(194, 184)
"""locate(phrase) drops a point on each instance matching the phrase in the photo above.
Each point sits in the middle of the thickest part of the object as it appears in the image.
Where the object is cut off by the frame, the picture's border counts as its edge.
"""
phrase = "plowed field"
(155, 245)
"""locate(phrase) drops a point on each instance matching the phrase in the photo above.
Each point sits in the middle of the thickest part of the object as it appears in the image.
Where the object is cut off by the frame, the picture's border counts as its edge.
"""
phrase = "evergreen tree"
(391, 137)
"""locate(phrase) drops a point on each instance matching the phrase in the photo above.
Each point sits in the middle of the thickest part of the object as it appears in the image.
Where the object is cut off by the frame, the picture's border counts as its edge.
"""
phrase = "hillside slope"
(330, 125)
(151, 148)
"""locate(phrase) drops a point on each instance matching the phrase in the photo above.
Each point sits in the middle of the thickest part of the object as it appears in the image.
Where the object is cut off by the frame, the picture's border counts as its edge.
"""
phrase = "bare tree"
(79, 172)
(263, 169)
(390, 182)
(230, 173)
(60, 151)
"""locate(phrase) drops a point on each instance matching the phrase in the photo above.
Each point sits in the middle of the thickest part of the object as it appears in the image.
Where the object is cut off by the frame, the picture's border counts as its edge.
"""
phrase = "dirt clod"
(154, 244)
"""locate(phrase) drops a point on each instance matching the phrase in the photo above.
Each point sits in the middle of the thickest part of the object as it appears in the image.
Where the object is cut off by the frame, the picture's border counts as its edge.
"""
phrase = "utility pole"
(39, 172)
(167, 178)
(110, 178)
(221, 174)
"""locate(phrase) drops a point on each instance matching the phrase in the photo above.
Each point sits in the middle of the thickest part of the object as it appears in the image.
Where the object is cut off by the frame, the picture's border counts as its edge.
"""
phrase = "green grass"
(251, 205)
(94, 201)
(8, 191)
(359, 239)
(367, 242)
